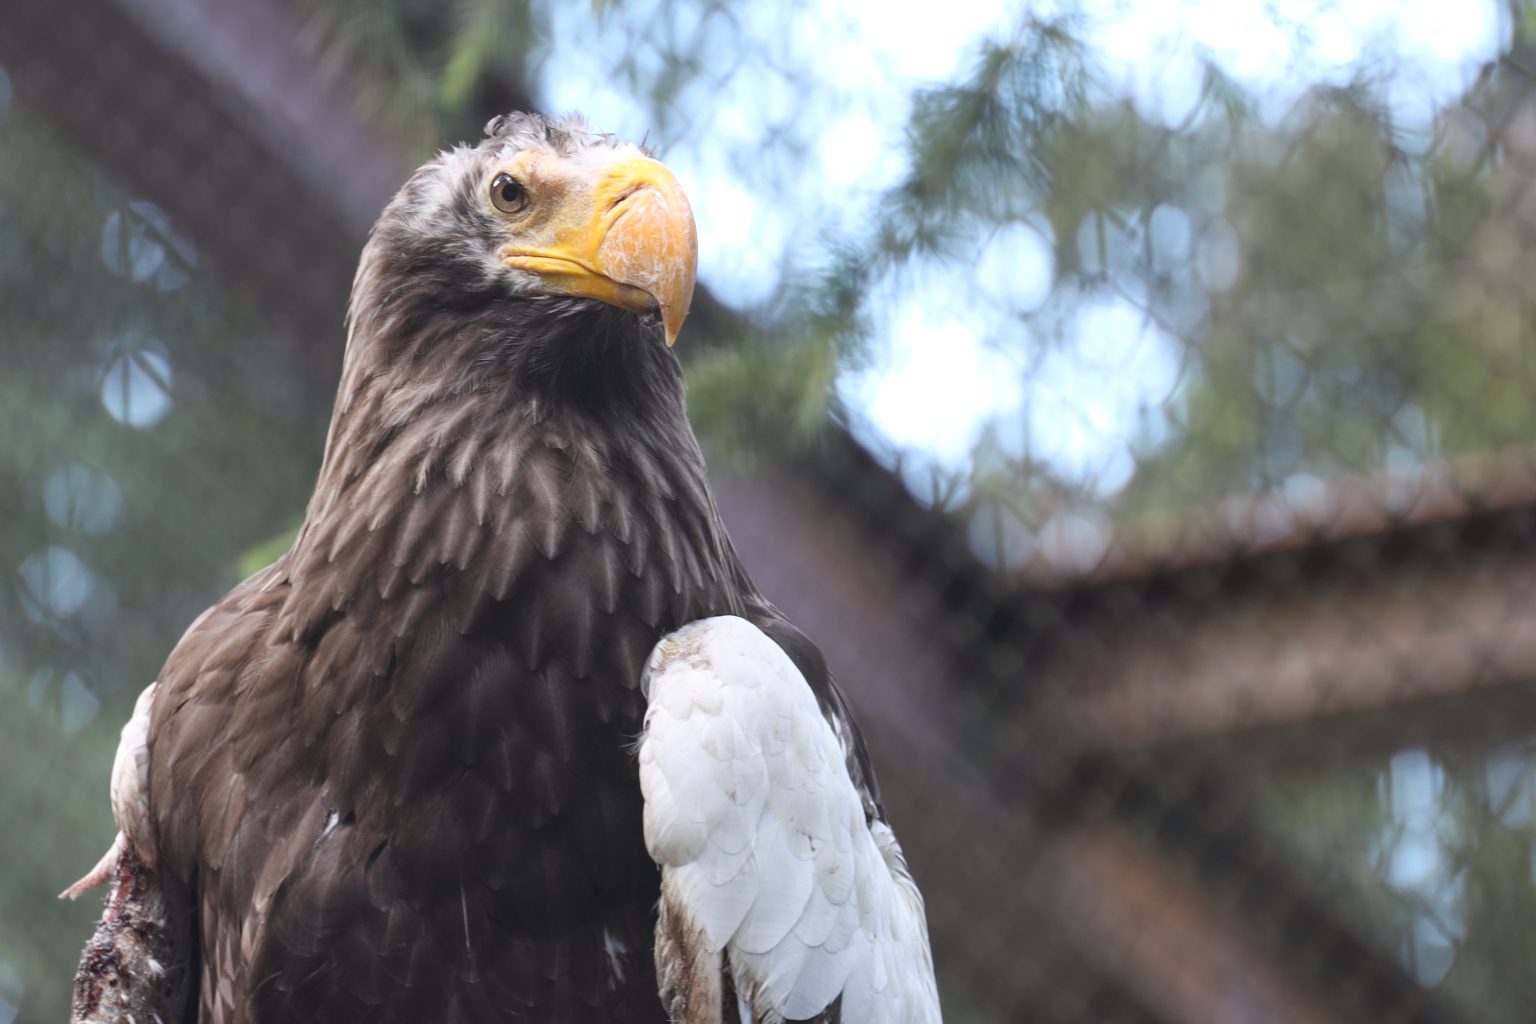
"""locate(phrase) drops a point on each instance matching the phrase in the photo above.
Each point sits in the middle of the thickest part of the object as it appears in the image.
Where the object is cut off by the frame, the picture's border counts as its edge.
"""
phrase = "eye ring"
(508, 194)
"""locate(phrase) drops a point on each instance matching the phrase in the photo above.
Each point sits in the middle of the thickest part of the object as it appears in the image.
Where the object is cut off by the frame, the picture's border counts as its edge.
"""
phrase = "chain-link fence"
(1152, 457)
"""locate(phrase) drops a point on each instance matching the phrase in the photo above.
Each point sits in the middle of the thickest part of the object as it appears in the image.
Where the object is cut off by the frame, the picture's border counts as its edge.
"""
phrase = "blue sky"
(794, 124)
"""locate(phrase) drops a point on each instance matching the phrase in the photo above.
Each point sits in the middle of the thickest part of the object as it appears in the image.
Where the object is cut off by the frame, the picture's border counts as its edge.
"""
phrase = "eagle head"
(539, 209)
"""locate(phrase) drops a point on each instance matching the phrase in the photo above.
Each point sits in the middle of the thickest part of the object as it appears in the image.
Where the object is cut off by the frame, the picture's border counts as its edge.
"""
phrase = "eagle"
(508, 733)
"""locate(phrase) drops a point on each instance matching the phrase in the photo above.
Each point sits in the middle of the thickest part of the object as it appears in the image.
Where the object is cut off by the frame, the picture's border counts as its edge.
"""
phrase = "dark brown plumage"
(392, 775)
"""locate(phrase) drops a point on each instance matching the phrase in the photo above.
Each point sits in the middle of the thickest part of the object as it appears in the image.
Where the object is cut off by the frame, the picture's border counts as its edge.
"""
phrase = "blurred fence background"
(1133, 400)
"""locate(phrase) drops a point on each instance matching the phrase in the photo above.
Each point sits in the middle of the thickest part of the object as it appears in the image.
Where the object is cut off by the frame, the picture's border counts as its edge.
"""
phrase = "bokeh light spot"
(136, 387)
(55, 583)
(82, 498)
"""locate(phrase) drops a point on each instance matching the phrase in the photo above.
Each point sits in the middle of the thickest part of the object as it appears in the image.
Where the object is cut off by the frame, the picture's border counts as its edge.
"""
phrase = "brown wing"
(408, 792)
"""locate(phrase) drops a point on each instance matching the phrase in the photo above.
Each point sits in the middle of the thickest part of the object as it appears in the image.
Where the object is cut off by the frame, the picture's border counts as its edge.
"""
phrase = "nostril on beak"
(631, 190)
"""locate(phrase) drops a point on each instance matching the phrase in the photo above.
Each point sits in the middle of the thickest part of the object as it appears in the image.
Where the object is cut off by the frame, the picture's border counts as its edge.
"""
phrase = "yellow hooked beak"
(624, 236)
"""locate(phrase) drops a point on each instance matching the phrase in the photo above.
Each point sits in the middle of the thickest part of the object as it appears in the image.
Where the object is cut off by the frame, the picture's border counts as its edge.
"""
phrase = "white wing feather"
(131, 966)
(130, 798)
(763, 842)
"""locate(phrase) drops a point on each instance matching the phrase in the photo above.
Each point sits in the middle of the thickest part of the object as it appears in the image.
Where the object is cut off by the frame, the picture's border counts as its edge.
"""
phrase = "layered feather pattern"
(392, 776)
(771, 870)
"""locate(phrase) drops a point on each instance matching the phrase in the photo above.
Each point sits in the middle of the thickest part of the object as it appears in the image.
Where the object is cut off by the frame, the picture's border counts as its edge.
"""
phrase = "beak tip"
(672, 324)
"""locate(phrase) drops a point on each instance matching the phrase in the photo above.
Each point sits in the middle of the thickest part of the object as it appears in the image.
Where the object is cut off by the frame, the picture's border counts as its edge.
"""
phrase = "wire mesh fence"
(1196, 662)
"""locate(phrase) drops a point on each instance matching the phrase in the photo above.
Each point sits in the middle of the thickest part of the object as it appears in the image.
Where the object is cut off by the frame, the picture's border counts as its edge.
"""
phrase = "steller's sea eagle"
(508, 733)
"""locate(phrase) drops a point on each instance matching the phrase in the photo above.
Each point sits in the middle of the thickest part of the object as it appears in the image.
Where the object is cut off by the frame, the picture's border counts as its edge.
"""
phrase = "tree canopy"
(1076, 310)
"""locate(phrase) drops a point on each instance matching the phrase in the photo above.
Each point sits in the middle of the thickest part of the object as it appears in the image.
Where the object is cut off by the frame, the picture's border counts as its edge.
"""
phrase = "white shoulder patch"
(770, 869)
(130, 797)
(130, 778)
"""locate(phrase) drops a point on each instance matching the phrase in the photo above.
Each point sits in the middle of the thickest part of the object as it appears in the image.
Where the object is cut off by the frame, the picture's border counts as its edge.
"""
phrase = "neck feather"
(474, 445)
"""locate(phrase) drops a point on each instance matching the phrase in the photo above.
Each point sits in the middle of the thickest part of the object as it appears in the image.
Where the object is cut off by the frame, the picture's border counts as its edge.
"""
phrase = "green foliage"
(115, 535)
(977, 147)
(1340, 294)
(1423, 850)
(423, 63)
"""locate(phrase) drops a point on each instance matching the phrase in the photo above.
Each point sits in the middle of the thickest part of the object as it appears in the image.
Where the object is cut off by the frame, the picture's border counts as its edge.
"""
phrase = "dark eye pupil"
(509, 192)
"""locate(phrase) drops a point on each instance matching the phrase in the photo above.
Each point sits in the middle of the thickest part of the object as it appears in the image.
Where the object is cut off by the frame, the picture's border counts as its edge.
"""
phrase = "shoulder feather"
(774, 876)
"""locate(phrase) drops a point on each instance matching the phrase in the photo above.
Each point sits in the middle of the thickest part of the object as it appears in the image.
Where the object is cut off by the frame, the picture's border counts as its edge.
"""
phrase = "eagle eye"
(508, 194)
